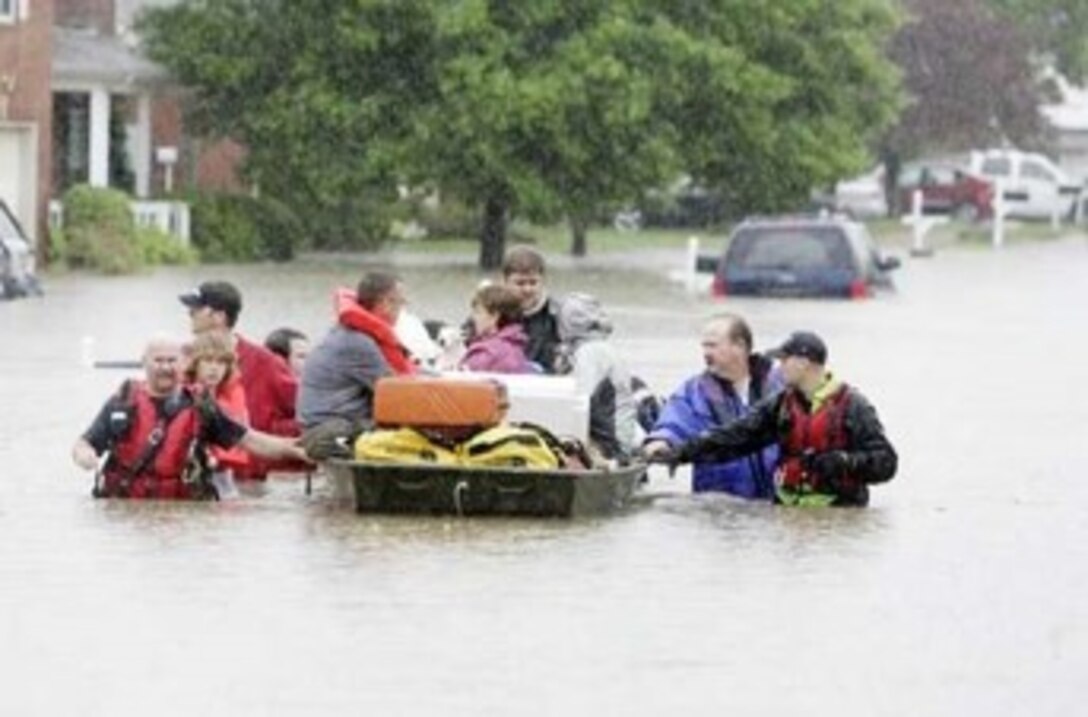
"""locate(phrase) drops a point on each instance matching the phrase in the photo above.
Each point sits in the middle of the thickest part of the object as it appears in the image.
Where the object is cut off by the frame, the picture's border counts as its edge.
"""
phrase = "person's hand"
(654, 448)
(667, 454)
(293, 449)
(84, 456)
(831, 468)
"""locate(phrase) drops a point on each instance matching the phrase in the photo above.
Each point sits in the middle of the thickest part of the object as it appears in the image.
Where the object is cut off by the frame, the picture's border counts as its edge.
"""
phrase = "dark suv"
(802, 256)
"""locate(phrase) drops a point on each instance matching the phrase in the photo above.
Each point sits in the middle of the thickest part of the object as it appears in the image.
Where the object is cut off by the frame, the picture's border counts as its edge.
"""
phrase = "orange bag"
(428, 402)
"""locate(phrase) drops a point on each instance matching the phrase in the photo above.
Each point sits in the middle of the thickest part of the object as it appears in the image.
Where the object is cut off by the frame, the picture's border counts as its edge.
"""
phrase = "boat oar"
(120, 364)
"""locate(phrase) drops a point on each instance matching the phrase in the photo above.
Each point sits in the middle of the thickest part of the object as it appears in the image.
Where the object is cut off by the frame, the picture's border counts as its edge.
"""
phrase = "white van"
(1034, 187)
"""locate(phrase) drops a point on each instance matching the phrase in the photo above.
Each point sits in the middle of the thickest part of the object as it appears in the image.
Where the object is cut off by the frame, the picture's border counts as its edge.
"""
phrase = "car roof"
(797, 221)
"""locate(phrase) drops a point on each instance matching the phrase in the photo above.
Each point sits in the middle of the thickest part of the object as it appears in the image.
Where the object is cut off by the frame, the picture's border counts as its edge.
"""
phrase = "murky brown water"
(963, 590)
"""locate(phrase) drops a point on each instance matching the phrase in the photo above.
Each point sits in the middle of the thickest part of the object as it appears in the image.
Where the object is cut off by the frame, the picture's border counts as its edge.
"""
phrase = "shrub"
(100, 231)
(355, 224)
(57, 253)
(236, 227)
(158, 247)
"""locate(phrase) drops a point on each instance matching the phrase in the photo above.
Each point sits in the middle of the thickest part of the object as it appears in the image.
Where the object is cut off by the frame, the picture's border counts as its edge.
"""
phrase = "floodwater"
(962, 590)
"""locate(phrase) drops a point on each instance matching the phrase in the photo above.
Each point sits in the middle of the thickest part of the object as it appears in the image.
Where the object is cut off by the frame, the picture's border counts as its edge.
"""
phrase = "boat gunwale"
(490, 470)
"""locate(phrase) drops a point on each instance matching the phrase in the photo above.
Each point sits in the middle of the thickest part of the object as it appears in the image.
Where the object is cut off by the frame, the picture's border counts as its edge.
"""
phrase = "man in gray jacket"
(336, 392)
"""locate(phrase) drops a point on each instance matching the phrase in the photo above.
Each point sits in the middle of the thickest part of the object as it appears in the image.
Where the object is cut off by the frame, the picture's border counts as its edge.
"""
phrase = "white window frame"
(9, 15)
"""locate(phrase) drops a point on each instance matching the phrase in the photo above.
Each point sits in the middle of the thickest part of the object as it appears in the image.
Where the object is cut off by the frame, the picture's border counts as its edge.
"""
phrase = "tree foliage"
(969, 76)
(542, 109)
(1057, 30)
(320, 92)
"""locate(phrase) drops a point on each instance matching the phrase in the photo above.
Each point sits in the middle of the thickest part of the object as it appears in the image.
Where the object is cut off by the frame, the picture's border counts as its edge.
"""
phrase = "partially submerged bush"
(237, 227)
(158, 247)
(100, 231)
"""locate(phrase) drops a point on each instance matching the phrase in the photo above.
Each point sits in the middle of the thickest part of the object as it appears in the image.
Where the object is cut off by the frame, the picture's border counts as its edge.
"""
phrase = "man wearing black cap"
(831, 441)
(269, 385)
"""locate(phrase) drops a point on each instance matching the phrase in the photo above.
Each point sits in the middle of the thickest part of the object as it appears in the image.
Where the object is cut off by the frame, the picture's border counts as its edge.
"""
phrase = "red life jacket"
(231, 398)
(162, 477)
(350, 314)
(811, 434)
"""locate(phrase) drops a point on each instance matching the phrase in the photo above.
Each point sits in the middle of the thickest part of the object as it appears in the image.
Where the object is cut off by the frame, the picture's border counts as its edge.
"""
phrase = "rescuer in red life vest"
(831, 441)
(152, 429)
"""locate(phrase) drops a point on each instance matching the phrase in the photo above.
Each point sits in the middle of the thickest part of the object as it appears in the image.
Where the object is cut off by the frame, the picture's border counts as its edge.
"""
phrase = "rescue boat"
(501, 479)
(471, 491)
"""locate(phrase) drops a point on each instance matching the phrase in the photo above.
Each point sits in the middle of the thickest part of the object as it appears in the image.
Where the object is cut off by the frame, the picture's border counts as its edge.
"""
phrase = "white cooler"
(549, 401)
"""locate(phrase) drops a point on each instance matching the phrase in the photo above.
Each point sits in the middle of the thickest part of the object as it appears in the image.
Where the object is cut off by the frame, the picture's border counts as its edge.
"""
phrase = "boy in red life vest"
(150, 428)
(270, 387)
(832, 443)
(212, 370)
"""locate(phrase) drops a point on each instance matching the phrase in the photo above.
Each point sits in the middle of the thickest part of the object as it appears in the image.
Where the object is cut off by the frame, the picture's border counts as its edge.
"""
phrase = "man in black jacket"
(832, 443)
(523, 271)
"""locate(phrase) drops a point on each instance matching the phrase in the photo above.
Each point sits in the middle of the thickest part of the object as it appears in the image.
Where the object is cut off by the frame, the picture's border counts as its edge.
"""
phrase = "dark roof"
(86, 56)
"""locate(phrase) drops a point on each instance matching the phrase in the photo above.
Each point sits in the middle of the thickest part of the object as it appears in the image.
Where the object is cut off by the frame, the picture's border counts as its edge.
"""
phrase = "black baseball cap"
(804, 344)
(217, 295)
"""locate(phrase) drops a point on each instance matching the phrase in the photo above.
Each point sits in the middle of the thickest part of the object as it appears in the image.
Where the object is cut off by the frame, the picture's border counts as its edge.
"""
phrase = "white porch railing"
(169, 217)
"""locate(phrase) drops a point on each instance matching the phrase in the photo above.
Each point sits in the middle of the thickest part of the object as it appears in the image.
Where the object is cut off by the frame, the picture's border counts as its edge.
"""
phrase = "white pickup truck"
(1033, 186)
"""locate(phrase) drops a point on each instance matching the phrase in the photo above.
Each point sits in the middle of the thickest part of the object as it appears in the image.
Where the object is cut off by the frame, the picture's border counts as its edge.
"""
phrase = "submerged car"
(802, 256)
(17, 276)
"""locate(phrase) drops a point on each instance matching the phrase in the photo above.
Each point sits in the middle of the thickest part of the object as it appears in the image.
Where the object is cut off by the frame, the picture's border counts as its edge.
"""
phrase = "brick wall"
(97, 14)
(26, 57)
(202, 164)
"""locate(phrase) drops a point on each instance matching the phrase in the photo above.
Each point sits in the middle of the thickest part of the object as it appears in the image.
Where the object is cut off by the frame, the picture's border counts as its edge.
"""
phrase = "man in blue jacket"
(735, 379)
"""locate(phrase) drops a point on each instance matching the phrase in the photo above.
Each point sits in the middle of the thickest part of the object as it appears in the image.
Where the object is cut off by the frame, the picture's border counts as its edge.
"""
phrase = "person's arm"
(748, 434)
(84, 455)
(871, 456)
(679, 419)
(272, 447)
(364, 362)
(222, 430)
(96, 439)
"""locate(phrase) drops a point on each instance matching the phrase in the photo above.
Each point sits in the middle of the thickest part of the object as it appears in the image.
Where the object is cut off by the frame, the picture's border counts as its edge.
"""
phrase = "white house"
(1069, 119)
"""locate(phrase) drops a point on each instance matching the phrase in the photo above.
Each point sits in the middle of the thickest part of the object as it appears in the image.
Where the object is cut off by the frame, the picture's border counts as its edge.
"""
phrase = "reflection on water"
(962, 590)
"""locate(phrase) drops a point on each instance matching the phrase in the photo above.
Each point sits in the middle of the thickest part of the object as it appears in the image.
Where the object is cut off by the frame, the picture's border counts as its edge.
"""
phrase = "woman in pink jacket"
(498, 345)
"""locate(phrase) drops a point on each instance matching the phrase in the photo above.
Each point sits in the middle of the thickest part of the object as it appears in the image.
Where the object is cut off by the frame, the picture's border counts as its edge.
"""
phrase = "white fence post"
(918, 244)
(920, 226)
(1000, 209)
(691, 269)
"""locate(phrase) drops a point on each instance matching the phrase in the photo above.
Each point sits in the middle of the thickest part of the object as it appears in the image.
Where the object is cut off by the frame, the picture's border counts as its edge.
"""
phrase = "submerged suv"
(16, 259)
(802, 256)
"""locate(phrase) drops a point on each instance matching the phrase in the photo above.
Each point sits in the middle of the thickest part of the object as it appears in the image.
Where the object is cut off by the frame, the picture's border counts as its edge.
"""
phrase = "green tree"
(543, 109)
(1057, 29)
(555, 107)
(772, 99)
(322, 94)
